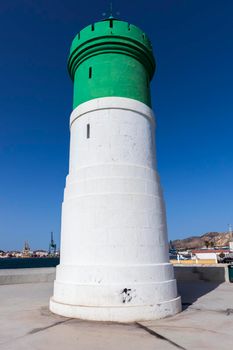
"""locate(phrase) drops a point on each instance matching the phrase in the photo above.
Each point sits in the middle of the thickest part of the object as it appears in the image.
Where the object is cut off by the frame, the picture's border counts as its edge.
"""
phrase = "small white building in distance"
(208, 254)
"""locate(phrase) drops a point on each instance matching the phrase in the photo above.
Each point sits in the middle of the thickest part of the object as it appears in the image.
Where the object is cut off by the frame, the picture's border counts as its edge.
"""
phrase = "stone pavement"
(205, 323)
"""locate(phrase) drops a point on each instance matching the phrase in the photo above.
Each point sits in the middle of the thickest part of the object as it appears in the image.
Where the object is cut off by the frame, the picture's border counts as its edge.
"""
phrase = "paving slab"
(205, 323)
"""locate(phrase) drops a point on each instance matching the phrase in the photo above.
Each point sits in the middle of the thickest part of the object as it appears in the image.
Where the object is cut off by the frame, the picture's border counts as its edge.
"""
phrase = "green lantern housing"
(111, 58)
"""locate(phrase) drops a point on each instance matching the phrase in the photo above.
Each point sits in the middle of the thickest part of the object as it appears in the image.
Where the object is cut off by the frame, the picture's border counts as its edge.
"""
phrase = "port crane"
(52, 245)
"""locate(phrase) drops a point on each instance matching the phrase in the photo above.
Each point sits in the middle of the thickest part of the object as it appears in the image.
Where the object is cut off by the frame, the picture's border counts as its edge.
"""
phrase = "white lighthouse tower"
(114, 248)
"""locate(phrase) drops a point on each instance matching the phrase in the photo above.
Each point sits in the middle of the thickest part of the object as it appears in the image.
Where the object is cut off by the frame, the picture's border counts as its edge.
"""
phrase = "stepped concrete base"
(118, 314)
(115, 293)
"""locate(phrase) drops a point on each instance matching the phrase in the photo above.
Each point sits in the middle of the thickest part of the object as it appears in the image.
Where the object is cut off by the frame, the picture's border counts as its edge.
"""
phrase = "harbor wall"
(212, 273)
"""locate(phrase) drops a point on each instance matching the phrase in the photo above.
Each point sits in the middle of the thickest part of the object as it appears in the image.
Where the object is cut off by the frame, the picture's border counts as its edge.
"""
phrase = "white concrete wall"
(206, 256)
(212, 273)
(29, 275)
(231, 246)
(114, 249)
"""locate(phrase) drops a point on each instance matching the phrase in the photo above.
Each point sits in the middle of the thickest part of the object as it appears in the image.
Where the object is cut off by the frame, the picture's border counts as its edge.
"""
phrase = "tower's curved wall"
(111, 58)
(114, 249)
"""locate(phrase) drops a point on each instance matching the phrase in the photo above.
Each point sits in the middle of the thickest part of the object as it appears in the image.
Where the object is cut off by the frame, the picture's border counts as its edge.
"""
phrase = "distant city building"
(231, 237)
(209, 254)
(231, 245)
(26, 252)
(40, 253)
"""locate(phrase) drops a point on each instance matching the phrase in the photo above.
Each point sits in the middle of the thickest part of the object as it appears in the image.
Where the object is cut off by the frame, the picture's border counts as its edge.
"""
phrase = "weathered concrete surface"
(206, 322)
(31, 275)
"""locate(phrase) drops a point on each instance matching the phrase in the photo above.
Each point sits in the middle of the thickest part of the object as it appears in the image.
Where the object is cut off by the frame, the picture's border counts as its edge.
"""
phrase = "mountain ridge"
(212, 239)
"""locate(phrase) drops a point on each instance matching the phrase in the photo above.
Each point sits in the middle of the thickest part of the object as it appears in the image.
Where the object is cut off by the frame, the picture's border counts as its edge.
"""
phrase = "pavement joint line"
(34, 331)
(41, 329)
(159, 336)
(227, 311)
(190, 327)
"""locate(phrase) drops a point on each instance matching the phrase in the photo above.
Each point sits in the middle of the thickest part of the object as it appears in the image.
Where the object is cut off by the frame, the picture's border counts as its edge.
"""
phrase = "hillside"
(219, 239)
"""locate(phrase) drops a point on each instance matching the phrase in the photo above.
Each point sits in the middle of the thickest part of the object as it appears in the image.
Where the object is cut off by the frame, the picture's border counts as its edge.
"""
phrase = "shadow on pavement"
(191, 291)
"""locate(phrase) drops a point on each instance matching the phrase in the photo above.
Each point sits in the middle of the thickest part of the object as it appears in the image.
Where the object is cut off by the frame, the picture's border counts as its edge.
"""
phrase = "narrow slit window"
(90, 72)
(88, 131)
(92, 27)
(111, 23)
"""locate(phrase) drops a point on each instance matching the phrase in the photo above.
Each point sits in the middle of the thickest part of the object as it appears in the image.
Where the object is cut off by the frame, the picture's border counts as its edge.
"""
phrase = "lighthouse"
(114, 262)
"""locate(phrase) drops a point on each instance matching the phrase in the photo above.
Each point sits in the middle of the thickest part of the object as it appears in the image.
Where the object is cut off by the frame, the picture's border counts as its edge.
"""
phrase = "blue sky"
(192, 95)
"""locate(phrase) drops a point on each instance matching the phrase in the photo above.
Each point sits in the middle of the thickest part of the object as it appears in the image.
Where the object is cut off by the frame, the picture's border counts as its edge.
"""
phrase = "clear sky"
(192, 97)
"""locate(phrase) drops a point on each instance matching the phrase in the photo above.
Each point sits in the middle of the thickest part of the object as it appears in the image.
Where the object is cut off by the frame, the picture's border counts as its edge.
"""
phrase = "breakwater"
(23, 263)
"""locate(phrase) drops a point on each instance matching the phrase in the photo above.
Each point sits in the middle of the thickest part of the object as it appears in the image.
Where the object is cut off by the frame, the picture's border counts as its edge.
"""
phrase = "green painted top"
(111, 58)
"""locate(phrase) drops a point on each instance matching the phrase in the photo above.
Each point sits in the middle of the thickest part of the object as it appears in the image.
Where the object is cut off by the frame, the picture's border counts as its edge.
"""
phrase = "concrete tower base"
(114, 248)
(118, 314)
